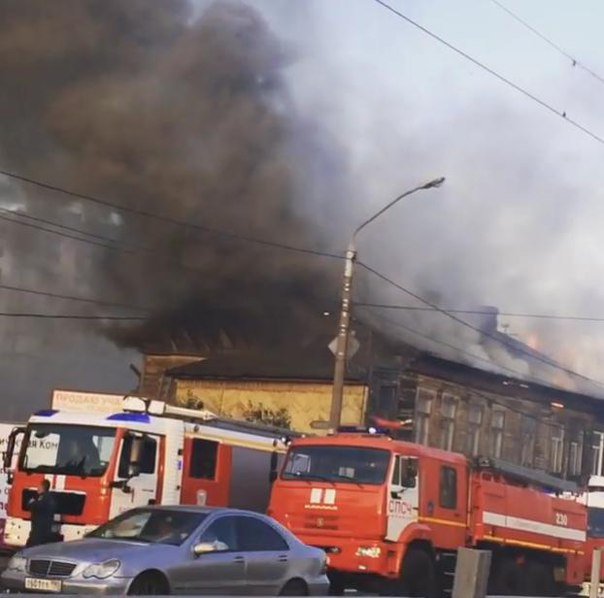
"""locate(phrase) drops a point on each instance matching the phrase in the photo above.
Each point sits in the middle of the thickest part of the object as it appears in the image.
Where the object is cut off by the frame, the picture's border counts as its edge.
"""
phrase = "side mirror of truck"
(272, 476)
(7, 456)
(409, 482)
(134, 470)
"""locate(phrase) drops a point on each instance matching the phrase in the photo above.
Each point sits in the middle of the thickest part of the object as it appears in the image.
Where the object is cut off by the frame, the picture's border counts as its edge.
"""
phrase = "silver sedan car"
(175, 550)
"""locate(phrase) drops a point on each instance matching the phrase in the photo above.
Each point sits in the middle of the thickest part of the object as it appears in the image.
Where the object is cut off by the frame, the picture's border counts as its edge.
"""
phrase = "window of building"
(497, 429)
(557, 449)
(597, 446)
(448, 488)
(387, 400)
(575, 455)
(424, 401)
(475, 415)
(448, 412)
(204, 456)
(528, 428)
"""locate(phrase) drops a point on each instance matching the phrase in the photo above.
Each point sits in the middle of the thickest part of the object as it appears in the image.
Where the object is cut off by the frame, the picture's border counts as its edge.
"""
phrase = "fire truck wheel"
(418, 576)
(507, 579)
(295, 587)
(149, 584)
(539, 580)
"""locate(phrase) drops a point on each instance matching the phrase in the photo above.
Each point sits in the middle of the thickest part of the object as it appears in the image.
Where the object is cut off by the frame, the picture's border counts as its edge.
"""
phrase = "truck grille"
(45, 567)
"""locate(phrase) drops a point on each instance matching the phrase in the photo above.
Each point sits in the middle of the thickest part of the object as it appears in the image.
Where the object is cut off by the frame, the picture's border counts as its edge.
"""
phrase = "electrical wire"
(14, 218)
(25, 216)
(110, 244)
(560, 113)
(440, 342)
(45, 316)
(168, 219)
(507, 314)
(574, 61)
(475, 392)
(483, 333)
(7, 287)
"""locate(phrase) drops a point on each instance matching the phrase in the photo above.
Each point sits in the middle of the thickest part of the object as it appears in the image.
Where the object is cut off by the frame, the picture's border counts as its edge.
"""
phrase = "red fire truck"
(391, 516)
(100, 465)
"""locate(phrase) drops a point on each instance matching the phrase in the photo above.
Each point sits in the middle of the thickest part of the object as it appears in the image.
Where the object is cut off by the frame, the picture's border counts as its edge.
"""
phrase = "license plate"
(43, 585)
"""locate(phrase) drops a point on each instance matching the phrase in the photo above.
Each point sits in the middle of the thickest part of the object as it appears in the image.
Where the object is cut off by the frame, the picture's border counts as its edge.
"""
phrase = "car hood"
(94, 550)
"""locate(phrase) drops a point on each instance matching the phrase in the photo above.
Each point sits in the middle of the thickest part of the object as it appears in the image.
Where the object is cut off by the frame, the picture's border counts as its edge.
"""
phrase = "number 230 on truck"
(391, 516)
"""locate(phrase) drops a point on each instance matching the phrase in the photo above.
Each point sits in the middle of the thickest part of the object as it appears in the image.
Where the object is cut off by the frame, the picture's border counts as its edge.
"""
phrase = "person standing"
(43, 509)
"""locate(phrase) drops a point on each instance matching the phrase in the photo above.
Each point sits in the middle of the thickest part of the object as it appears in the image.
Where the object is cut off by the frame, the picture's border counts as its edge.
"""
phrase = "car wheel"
(295, 587)
(149, 584)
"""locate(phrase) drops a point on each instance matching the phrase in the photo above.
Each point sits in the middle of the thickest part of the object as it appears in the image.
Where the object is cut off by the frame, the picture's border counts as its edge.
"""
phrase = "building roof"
(309, 367)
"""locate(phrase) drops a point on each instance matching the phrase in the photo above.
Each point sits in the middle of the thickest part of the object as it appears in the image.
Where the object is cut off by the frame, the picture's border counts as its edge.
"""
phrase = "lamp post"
(341, 352)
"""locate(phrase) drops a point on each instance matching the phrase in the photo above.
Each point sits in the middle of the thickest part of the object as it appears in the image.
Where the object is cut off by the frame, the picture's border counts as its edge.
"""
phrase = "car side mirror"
(209, 547)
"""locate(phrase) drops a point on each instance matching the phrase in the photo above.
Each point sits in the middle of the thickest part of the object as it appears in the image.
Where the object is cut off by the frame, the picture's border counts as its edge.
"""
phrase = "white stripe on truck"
(537, 527)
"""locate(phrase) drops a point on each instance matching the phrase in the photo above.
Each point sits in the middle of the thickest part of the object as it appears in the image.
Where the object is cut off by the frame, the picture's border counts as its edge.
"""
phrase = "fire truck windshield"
(341, 464)
(67, 449)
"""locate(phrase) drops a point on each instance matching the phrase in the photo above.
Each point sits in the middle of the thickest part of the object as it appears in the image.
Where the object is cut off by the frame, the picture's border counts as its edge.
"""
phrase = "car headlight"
(17, 563)
(101, 570)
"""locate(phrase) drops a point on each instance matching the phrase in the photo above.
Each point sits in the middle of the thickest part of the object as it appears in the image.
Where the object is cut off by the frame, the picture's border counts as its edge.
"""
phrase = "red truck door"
(443, 500)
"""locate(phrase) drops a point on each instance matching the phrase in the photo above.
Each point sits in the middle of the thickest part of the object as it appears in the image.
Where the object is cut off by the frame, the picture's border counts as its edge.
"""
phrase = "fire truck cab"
(101, 465)
(391, 516)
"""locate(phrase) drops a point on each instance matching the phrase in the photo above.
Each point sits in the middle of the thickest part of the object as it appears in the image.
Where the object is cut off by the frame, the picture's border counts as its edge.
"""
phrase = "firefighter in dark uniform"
(43, 509)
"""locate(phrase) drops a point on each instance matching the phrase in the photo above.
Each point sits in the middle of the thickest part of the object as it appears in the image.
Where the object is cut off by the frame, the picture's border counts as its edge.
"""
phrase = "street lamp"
(341, 351)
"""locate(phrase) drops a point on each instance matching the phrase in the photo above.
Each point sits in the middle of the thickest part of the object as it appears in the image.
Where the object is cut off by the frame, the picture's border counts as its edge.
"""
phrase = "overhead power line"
(110, 244)
(7, 287)
(507, 314)
(439, 341)
(574, 61)
(560, 113)
(481, 332)
(45, 316)
(224, 234)
(461, 351)
(14, 217)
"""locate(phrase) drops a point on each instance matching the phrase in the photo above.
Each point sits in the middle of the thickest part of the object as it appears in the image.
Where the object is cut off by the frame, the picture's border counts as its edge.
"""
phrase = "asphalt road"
(4, 560)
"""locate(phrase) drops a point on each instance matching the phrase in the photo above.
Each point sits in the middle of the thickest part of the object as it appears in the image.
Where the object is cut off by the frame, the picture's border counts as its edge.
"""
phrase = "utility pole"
(341, 351)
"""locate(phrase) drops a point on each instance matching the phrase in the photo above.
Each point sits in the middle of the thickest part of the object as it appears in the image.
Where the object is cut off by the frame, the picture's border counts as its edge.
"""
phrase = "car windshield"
(152, 526)
(595, 518)
(347, 464)
(68, 449)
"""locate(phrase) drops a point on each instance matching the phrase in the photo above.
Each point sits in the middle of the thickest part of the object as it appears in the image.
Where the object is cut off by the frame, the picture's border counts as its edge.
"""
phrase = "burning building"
(439, 402)
(233, 207)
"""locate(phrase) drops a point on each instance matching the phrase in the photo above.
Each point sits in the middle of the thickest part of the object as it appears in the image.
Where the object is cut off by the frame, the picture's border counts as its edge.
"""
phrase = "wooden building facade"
(444, 404)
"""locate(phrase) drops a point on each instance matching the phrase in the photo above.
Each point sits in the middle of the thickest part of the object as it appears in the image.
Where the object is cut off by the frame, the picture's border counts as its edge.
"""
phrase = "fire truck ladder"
(526, 475)
(205, 417)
